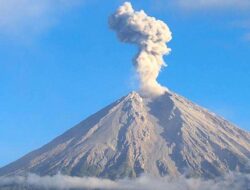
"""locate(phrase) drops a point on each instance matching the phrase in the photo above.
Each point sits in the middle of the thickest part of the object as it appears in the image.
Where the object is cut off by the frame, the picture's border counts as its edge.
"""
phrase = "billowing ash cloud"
(151, 36)
(235, 181)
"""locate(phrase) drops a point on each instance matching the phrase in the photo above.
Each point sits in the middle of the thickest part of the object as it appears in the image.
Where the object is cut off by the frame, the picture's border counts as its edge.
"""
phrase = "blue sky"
(59, 63)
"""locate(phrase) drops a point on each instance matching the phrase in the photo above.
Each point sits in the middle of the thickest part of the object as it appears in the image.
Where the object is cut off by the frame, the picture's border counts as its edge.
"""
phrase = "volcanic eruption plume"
(151, 36)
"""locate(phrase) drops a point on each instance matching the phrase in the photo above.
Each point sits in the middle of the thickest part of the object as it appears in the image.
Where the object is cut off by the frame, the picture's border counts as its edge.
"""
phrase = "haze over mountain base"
(230, 181)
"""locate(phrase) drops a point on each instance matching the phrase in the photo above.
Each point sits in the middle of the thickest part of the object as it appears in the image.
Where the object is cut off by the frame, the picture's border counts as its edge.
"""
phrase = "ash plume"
(151, 36)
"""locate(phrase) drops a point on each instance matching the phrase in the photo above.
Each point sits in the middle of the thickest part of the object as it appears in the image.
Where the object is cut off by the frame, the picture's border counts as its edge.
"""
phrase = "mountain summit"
(165, 135)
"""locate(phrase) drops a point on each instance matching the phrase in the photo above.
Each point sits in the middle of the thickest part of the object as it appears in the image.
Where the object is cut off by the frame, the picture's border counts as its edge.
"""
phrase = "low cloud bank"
(235, 181)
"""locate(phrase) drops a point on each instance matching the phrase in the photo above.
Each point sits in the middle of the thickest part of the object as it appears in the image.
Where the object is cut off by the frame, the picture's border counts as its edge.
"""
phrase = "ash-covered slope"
(167, 135)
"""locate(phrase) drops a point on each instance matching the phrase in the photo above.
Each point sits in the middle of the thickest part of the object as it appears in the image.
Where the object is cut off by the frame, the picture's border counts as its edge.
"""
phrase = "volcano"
(164, 135)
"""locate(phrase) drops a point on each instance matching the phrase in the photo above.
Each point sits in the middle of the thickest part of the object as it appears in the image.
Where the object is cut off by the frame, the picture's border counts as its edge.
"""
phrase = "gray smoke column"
(151, 36)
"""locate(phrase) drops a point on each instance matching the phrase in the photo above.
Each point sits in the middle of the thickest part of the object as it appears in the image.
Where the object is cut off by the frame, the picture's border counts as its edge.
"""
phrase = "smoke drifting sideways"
(235, 181)
(151, 36)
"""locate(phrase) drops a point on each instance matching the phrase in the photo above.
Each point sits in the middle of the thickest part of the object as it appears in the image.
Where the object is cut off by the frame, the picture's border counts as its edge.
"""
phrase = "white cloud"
(246, 37)
(234, 181)
(243, 25)
(238, 8)
(29, 16)
(214, 4)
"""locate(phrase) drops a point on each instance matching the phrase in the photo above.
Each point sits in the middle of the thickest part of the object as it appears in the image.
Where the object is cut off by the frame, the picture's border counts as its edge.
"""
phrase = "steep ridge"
(166, 135)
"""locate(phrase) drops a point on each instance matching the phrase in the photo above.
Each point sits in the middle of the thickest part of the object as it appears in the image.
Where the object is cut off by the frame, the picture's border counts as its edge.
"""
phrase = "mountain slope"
(135, 135)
